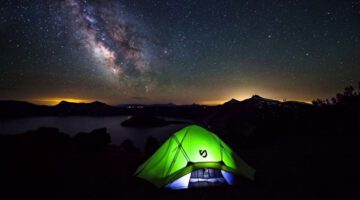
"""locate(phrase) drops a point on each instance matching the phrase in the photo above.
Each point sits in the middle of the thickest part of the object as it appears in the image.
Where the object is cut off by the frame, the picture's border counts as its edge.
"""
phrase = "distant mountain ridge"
(261, 101)
(93, 108)
(11, 108)
(255, 100)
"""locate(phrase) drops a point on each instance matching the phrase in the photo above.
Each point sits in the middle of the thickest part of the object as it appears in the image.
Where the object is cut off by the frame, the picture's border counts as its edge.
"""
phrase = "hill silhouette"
(13, 109)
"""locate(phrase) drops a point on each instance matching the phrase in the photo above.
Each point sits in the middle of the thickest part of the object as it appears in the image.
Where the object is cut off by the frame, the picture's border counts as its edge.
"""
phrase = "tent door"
(206, 177)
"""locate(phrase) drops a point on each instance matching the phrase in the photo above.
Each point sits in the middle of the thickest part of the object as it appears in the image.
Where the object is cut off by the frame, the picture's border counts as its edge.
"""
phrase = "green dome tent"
(193, 157)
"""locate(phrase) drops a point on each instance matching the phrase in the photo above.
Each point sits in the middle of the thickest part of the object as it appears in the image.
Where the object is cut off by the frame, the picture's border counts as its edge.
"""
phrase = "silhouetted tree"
(128, 146)
(349, 91)
(151, 145)
(42, 138)
(95, 140)
(327, 102)
(318, 102)
(339, 97)
(349, 97)
(333, 100)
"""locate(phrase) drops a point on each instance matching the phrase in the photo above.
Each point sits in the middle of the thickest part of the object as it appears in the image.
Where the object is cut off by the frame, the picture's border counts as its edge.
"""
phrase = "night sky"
(148, 51)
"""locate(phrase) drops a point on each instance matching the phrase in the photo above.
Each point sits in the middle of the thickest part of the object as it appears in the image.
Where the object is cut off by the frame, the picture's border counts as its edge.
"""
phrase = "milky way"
(115, 41)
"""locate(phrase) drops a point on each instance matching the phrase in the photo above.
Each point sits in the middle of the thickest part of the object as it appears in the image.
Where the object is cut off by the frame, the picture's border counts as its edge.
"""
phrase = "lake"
(75, 124)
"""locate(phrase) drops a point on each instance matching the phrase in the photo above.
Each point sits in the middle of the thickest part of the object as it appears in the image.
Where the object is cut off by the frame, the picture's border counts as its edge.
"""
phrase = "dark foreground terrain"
(300, 151)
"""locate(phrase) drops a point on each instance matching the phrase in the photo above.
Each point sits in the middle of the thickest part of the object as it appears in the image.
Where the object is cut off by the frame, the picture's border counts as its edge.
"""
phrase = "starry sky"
(181, 51)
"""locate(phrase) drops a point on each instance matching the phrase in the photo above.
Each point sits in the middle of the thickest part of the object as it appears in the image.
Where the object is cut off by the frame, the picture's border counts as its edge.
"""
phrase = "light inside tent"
(181, 183)
(229, 177)
(203, 178)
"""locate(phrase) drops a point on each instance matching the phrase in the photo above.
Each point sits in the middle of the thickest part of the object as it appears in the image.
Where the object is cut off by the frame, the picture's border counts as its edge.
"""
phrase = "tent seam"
(175, 157)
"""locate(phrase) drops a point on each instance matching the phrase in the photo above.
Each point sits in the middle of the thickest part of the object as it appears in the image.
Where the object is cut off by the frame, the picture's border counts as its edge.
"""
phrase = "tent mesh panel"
(206, 177)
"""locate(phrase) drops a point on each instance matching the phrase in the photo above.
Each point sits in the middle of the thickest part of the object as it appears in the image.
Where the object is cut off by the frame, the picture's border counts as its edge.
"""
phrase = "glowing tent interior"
(193, 157)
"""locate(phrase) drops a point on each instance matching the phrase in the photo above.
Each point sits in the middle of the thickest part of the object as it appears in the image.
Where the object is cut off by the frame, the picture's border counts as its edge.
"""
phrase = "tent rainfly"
(193, 157)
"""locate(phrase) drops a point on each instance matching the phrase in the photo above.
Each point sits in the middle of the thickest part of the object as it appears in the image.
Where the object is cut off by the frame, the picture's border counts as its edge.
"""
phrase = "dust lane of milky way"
(116, 42)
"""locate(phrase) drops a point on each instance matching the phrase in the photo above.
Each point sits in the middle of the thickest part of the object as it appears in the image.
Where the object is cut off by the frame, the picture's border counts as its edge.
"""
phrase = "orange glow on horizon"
(212, 102)
(304, 101)
(220, 102)
(56, 100)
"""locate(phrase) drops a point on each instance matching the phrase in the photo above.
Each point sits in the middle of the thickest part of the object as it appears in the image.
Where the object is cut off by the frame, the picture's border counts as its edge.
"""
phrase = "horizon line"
(57, 101)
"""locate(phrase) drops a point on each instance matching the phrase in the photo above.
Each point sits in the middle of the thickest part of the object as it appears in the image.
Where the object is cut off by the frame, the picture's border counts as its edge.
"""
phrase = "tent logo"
(203, 153)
